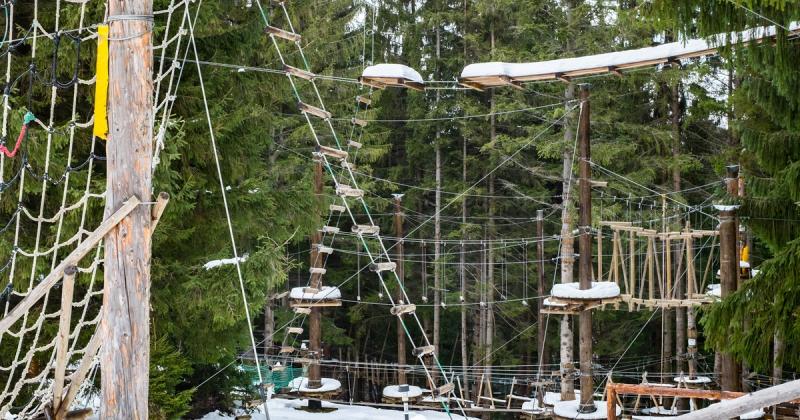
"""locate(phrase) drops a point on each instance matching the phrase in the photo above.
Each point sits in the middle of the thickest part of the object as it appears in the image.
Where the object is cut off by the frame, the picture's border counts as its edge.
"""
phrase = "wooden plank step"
(336, 208)
(294, 71)
(331, 152)
(284, 34)
(359, 122)
(306, 361)
(302, 310)
(330, 229)
(348, 191)
(287, 349)
(383, 266)
(363, 100)
(401, 309)
(315, 270)
(322, 249)
(366, 229)
(444, 389)
(295, 330)
(308, 304)
(354, 144)
(347, 165)
(313, 110)
(423, 351)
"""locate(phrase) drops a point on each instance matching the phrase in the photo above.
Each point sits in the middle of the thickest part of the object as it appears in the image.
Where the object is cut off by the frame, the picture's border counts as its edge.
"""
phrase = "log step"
(330, 229)
(383, 266)
(331, 152)
(313, 110)
(423, 351)
(295, 330)
(280, 33)
(294, 71)
(364, 100)
(359, 122)
(348, 191)
(337, 208)
(315, 270)
(302, 310)
(354, 144)
(287, 349)
(444, 389)
(403, 309)
(366, 229)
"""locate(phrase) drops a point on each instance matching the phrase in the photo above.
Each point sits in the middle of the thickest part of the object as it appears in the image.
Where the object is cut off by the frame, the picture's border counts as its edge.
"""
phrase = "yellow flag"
(101, 84)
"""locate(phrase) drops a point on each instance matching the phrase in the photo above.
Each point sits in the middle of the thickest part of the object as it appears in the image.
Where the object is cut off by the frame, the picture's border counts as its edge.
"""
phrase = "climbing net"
(52, 192)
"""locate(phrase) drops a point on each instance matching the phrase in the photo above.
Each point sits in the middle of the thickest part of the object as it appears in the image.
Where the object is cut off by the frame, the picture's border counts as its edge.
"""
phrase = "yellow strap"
(745, 254)
(101, 84)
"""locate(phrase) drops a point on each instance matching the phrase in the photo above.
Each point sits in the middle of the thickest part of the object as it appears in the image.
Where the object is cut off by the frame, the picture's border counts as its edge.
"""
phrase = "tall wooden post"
(401, 335)
(125, 353)
(585, 248)
(729, 269)
(314, 319)
(691, 321)
(540, 286)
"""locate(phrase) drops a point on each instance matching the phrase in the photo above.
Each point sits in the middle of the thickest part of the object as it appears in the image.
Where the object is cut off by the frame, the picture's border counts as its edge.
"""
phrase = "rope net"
(52, 192)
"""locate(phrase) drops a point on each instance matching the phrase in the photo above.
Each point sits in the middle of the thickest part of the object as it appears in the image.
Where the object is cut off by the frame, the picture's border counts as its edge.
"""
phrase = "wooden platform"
(576, 306)
(306, 303)
(384, 82)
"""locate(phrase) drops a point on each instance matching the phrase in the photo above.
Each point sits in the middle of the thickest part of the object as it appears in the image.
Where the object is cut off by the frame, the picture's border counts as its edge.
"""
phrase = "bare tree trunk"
(401, 336)
(437, 230)
(777, 358)
(567, 255)
(463, 273)
(269, 324)
(490, 324)
(680, 284)
(125, 354)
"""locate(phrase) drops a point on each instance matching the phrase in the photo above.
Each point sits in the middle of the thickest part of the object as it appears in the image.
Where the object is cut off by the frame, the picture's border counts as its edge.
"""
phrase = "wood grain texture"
(125, 353)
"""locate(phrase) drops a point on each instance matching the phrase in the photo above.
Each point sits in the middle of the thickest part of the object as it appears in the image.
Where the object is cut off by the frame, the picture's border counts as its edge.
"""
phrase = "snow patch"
(728, 207)
(548, 302)
(569, 409)
(714, 290)
(532, 406)
(399, 71)
(393, 391)
(326, 292)
(599, 290)
(225, 261)
(301, 384)
(696, 380)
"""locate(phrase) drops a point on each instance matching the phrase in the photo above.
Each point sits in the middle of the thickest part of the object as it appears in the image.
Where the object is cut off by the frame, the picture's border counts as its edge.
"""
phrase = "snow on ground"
(599, 290)
(569, 409)
(282, 409)
(393, 71)
(327, 292)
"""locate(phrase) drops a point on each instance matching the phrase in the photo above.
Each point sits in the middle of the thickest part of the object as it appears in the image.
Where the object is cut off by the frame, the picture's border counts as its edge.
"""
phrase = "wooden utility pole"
(585, 249)
(540, 287)
(729, 268)
(125, 352)
(315, 318)
(401, 335)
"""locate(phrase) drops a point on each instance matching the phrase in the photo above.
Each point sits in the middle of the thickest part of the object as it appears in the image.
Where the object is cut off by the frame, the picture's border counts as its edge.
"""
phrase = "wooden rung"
(491, 399)
(322, 249)
(348, 165)
(300, 303)
(348, 191)
(330, 229)
(313, 110)
(306, 361)
(383, 266)
(363, 100)
(337, 208)
(280, 33)
(287, 349)
(295, 330)
(366, 229)
(312, 290)
(278, 368)
(403, 309)
(316, 270)
(302, 310)
(331, 152)
(294, 71)
(354, 144)
(423, 351)
(444, 389)
(359, 122)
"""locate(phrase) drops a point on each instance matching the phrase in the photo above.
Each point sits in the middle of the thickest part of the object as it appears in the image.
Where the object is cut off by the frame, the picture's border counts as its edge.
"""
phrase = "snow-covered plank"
(325, 293)
(393, 391)
(225, 261)
(301, 385)
(569, 410)
(492, 74)
(380, 76)
(599, 290)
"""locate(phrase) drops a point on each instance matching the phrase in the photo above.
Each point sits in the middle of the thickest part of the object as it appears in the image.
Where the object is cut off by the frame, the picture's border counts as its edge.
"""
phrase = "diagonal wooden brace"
(72, 259)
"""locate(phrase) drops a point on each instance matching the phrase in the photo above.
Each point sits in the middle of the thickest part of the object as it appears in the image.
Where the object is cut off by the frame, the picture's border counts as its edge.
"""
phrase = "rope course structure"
(53, 223)
(337, 160)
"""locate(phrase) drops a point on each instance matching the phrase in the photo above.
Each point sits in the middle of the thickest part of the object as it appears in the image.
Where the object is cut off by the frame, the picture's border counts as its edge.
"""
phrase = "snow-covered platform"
(328, 386)
(569, 410)
(384, 75)
(307, 297)
(392, 394)
(493, 74)
(568, 298)
(283, 409)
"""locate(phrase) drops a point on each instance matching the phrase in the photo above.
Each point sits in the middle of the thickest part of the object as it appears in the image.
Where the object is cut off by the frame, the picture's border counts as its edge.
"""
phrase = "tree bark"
(437, 230)
(125, 354)
(567, 255)
(315, 318)
(729, 273)
(401, 336)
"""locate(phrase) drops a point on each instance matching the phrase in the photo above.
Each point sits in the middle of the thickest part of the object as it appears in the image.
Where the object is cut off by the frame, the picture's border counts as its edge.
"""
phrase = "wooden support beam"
(72, 259)
(745, 403)
(663, 391)
(158, 209)
(62, 340)
(77, 377)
